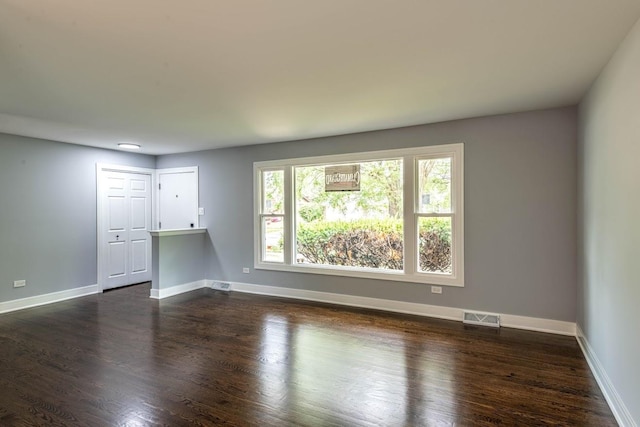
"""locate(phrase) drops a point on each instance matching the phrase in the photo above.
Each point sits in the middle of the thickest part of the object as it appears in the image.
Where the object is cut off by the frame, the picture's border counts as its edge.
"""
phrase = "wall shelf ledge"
(177, 232)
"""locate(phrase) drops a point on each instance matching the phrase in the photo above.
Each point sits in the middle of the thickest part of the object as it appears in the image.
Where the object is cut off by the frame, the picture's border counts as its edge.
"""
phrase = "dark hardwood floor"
(207, 358)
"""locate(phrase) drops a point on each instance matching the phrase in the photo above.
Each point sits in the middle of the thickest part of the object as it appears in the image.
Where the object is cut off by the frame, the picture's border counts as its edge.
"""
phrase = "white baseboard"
(351, 300)
(22, 303)
(178, 289)
(619, 409)
(537, 324)
(448, 313)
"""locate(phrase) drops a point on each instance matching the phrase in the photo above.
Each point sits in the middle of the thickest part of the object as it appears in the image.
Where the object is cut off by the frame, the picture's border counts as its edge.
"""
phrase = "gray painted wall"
(520, 212)
(609, 215)
(48, 213)
(178, 260)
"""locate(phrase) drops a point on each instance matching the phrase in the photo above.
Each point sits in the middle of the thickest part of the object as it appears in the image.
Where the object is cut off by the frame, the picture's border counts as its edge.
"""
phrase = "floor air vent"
(483, 319)
(221, 286)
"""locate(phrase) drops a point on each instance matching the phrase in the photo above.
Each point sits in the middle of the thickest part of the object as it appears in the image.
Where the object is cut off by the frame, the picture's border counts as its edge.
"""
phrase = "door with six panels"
(126, 212)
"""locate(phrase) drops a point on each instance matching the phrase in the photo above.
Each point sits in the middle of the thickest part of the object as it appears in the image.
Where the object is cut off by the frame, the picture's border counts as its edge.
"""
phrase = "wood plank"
(208, 357)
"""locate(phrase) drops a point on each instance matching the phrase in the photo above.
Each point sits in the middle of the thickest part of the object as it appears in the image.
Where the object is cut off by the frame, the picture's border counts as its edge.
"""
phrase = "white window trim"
(410, 215)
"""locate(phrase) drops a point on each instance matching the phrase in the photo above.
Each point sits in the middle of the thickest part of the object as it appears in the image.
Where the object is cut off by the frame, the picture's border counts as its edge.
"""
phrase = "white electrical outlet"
(200, 211)
(19, 283)
(436, 289)
(245, 270)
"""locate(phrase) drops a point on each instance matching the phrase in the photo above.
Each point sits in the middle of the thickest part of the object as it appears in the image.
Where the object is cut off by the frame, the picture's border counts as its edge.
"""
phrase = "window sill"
(395, 276)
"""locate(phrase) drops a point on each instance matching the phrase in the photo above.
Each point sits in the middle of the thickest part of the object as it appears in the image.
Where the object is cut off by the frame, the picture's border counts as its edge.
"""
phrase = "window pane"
(273, 239)
(350, 215)
(434, 240)
(273, 192)
(434, 184)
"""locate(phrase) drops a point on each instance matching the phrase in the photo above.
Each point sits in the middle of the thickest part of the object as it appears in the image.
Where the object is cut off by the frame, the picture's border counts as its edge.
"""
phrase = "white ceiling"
(180, 76)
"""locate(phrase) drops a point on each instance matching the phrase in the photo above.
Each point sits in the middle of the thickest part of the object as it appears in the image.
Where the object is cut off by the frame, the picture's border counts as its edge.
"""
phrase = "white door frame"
(100, 169)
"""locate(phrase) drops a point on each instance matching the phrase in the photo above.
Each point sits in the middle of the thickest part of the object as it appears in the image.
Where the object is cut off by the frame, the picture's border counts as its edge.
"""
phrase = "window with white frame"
(393, 214)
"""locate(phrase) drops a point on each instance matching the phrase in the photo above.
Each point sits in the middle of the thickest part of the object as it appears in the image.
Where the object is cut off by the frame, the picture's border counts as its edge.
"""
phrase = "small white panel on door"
(139, 256)
(117, 261)
(115, 183)
(138, 185)
(138, 213)
(117, 213)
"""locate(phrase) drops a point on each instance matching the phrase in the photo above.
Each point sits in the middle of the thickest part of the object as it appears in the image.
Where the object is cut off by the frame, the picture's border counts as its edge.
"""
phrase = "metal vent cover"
(221, 286)
(483, 319)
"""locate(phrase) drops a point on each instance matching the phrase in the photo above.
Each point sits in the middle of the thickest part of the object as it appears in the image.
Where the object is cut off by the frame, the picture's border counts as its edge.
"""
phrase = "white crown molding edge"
(619, 409)
(37, 300)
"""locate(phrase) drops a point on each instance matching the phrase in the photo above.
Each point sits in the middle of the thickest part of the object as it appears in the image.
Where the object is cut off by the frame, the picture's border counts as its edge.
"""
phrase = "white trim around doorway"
(100, 169)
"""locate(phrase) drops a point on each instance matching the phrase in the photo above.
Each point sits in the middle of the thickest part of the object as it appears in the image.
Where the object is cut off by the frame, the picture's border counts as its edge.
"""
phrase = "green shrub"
(371, 244)
(435, 245)
(311, 213)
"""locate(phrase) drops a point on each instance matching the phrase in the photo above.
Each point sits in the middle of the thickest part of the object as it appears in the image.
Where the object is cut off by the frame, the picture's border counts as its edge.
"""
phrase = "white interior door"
(178, 198)
(126, 220)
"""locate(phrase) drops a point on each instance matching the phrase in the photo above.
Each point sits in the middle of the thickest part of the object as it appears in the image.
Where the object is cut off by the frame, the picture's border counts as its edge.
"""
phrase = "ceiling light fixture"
(129, 146)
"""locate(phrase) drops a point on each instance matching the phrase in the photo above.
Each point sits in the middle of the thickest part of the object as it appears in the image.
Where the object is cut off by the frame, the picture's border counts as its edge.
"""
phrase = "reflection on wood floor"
(208, 357)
